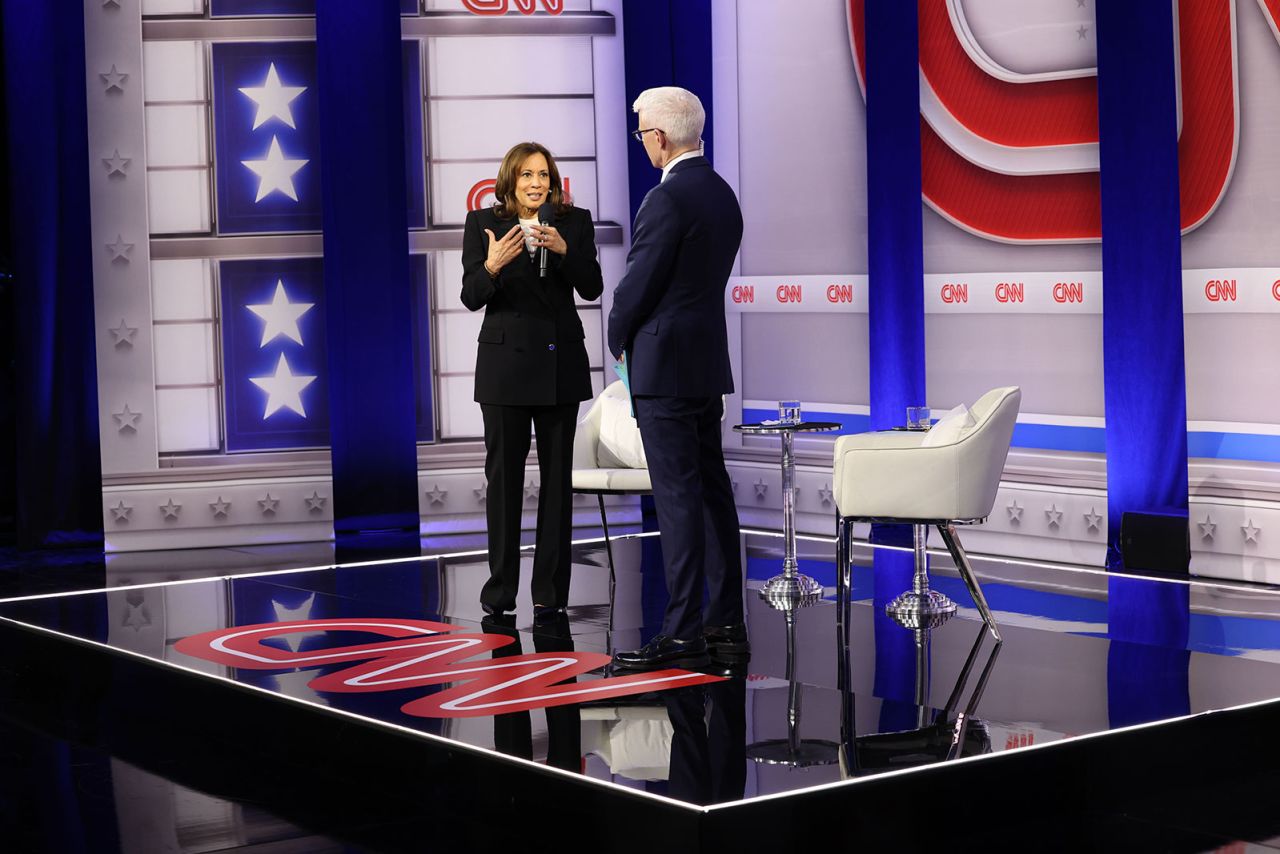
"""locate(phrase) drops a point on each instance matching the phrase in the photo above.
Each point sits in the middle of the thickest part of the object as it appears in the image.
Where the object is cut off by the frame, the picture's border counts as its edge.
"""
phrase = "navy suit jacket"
(668, 310)
(530, 349)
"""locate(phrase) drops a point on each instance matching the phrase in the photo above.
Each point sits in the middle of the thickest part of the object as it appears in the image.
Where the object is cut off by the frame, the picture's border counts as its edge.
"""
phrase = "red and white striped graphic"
(1012, 156)
(430, 653)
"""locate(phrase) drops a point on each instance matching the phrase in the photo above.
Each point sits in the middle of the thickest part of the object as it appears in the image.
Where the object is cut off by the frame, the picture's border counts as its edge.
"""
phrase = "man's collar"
(688, 155)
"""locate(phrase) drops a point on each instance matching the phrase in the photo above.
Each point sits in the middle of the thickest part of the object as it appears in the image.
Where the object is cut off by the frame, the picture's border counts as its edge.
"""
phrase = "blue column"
(1144, 370)
(665, 43)
(895, 297)
(895, 254)
(366, 266)
(54, 401)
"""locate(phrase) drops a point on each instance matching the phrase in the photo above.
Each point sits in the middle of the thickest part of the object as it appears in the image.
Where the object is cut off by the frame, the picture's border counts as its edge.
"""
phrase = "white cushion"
(950, 427)
(623, 480)
(620, 444)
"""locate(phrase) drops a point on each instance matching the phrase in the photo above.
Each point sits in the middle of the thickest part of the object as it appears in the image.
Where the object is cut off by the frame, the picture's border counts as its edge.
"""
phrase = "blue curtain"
(366, 267)
(895, 253)
(665, 43)
(58, 500)
(1144, 368)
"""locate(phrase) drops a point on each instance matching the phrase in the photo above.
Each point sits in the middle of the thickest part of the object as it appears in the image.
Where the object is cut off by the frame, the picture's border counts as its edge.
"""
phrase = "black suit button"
(551, 346)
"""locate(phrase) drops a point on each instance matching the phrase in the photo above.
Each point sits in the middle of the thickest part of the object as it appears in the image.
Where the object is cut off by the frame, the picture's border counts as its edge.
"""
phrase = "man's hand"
(502, 252)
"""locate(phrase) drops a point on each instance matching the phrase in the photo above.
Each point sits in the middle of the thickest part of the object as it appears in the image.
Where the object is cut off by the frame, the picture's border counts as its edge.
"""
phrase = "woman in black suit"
(531, 365)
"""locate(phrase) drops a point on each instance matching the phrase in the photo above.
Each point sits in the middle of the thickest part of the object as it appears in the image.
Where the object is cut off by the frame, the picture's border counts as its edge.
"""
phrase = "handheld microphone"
(546, 213)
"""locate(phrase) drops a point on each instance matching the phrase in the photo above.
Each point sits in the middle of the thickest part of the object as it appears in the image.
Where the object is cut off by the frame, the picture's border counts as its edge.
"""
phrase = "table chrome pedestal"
(791, 589)
(920, 607)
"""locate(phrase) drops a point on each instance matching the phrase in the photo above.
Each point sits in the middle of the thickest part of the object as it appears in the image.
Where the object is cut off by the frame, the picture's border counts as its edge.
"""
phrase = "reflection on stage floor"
(403, 645)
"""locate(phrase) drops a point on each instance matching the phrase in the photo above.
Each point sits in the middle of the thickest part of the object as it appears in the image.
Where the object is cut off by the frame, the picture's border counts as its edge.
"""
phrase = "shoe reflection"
(513, 731)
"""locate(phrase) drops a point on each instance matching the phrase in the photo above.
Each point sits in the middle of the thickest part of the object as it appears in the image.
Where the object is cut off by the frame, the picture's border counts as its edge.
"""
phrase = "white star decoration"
(126, 419)
(825, 494)
(268, 504)
(273, 99)
(123, 334)
(116, 165)
(121, 511)
(1207, 527)
(275, 171)
(1092, 519)
(220, 507)
(530, 490)
(1015, 511)
(315, 501)
(1053, 515)
(436, 494)
(120, 250)
(283, 388)
(290, 615)
(281, 316)
(114, 79)
(115, 3)
(1250, 531)
(482, 492)
(1082, 32)
(136, 616)
(761, 488)
(171, 509)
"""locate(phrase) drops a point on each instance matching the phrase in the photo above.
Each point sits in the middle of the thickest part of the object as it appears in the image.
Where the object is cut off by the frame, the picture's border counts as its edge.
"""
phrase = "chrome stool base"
(926, 610)
(787, 591)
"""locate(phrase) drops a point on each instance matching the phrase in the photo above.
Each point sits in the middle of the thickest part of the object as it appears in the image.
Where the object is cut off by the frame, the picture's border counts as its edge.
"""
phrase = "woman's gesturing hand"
(501, 252)
(548, 236)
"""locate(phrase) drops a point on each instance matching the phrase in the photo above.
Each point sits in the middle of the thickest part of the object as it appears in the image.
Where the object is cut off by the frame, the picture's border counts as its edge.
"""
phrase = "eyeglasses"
(639, 134)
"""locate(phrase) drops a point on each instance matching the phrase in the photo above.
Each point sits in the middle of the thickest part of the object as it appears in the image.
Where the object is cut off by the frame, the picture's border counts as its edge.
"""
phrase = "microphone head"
(546, 213)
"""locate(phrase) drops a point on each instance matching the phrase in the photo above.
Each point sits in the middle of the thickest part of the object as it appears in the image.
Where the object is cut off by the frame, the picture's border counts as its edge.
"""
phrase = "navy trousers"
(696, 514)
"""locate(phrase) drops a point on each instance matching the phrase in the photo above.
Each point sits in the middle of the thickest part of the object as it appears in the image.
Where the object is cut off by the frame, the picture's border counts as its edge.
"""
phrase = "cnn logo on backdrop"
(1009, 99)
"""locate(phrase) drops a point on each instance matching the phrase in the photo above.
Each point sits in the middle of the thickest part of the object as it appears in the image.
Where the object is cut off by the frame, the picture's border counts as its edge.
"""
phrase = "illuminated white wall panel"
(174, 71)
(178, 201)
(173, 7)
(488, 127)
(181, 290)
(508, 65)
(188, 419)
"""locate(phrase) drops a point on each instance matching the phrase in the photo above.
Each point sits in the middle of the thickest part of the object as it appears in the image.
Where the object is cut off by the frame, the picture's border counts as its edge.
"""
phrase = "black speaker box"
(1156, 540)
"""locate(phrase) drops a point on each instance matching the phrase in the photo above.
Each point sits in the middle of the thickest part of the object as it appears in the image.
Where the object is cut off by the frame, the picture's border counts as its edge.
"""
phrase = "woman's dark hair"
(505, 190)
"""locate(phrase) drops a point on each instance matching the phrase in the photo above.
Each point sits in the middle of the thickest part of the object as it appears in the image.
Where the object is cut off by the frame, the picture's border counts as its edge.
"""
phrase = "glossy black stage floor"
(371, 706)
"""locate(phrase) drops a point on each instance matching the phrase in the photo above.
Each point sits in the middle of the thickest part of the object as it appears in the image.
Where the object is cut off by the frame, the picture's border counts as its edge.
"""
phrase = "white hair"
(678, 112)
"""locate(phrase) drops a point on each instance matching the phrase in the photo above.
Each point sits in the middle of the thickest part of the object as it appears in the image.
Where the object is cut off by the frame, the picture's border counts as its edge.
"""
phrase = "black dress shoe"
(727, 640)
(661, 651)
(546, 612)
(501, 623)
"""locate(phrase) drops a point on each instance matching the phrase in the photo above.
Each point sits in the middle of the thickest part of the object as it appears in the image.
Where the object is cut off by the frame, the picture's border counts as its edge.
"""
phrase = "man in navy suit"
(668, 325)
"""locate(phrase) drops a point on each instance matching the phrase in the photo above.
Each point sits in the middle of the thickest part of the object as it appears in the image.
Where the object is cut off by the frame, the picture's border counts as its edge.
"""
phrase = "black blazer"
(668, 310)
(530, 350)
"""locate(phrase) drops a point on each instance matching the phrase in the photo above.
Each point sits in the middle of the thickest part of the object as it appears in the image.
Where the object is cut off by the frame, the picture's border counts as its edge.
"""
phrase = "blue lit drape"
(366, 266)
(895, 254)
(58, 462)
(665, 43)
(1145, 375)
(895, 295)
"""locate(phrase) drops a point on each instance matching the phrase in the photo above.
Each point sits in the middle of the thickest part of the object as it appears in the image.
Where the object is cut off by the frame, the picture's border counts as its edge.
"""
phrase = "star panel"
(274, 355)
(266, 135)
(267, 142)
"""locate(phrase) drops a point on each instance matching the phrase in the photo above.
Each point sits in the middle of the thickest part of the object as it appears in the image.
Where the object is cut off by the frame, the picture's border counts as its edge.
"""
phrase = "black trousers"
(696, 514)
(506, 442)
